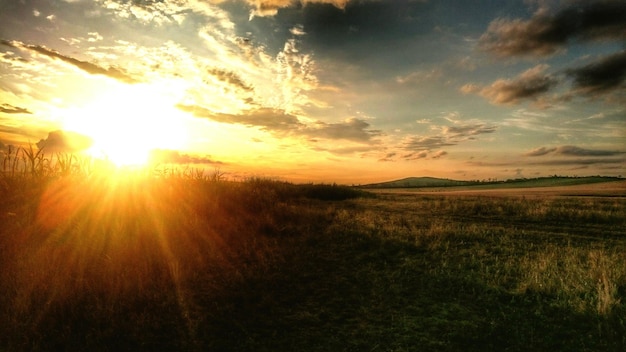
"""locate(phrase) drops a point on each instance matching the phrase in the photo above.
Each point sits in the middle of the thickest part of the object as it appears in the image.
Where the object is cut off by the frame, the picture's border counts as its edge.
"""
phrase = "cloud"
(530, 84)
(464, 131)
(545, 34)
(576, 162)
(420, 77)
(280, 122)
(388, 157)
(88, 67)
(438, 154)
(449, 136)
(10, 109)
(423, 154)
(419, 143)
(64, 142)
(266, 118)
(168, 156)
(606, 74)
(416, 156)
(9, 44)
(571, 150)
(151, 12)
(540, 151)
(351, 129)
(231, 78)
(263, 8)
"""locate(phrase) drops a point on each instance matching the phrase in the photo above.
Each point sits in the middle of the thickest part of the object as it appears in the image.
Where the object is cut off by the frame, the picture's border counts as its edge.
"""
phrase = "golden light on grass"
(127, 122)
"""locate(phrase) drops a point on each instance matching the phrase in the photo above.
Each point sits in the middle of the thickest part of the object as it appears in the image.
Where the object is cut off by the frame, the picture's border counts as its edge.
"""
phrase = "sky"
(346, 91)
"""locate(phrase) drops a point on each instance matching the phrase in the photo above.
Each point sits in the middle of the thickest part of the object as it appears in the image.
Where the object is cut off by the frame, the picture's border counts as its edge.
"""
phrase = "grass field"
(145, 263)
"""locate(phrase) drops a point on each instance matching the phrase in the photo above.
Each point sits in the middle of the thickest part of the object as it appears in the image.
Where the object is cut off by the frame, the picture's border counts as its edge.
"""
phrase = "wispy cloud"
(459, 132)
(545, 33)
(112, 72)
(467, 130)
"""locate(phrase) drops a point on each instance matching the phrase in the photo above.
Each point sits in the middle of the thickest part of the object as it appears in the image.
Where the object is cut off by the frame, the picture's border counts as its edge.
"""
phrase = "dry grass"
(183, 261)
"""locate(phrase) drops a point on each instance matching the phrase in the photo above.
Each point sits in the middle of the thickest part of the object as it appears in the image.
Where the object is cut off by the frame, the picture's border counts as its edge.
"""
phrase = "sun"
(128, 122)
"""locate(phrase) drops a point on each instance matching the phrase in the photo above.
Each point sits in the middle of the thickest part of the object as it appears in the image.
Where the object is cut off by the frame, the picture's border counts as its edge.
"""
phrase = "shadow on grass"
(347, 293)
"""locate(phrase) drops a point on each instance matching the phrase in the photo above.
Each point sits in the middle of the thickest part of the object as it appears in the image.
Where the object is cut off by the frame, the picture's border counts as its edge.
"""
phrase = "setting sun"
(125, 124)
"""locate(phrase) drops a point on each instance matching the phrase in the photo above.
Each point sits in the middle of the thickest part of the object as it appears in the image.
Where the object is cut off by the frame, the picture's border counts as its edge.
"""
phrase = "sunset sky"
(346, 91)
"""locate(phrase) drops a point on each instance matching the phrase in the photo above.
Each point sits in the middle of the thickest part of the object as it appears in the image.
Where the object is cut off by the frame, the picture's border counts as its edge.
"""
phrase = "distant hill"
(553, 181)
(418, 182)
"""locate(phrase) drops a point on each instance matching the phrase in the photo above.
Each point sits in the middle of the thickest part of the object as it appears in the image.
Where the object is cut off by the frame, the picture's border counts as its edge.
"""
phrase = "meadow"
(184, 261)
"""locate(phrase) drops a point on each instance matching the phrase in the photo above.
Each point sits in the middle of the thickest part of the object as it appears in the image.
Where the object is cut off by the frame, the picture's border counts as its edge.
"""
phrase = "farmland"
(191, 263)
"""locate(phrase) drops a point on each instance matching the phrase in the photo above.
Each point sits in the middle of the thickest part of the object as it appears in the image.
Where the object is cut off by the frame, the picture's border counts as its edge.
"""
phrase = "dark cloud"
(601, 76)
(168, 156)
(540, 151)
(231, 78)
(8, 43)
(531, 84)
(64, 142)
(278, 121)
(88, 67)
(362, 20)
(592, 161)
(571, 150)
(545, 34)
(266, 118)
(10, 109)
(270, 7)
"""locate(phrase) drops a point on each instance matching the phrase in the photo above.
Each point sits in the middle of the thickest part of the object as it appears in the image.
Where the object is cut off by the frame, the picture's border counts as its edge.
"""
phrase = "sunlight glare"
(127, 122)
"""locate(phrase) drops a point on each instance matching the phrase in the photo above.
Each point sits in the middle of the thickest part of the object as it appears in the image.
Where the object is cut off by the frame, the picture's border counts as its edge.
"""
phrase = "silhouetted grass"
(147, 262)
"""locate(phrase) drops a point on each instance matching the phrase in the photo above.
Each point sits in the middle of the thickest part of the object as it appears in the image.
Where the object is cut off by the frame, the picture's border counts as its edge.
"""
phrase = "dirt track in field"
(603, 189)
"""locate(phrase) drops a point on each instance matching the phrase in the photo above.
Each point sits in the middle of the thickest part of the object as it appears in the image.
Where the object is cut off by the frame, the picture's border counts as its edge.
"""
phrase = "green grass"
(147, 263)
